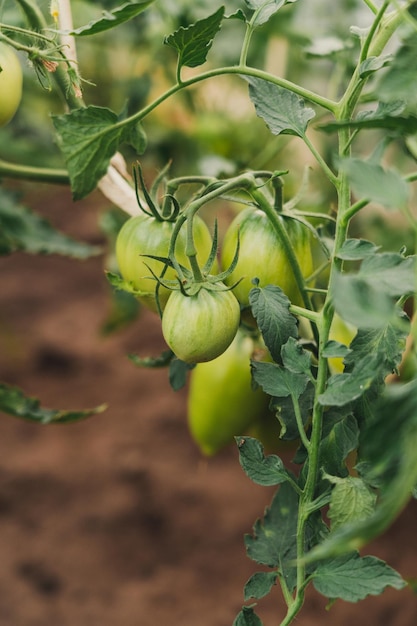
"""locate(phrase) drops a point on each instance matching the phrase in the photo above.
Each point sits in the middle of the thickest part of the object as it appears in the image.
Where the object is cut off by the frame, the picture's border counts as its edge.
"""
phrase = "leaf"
(270, 307)
(284, 409)
(262, 470)
(357, 249)
(278, 381)
(366, 298)
(335, 349)
(88, 138)
(335, 446)
(194, 42)
(352, 578)
(347, 387)
(351, 500)
(388, 116)
(162, 360)
(387, 448)
(14, 402)
(373, 64)
(274, 540)
(387, 341)
(399, 80)
(372, 182)
(259, 585)
(22, 229)
(265, 9)
(282, 110)
(178, 371)
(295, 358)
(111, 19)
(247, 617)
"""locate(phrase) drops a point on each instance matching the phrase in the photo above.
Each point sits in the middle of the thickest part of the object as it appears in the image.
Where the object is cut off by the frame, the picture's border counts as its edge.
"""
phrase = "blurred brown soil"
(117, 520)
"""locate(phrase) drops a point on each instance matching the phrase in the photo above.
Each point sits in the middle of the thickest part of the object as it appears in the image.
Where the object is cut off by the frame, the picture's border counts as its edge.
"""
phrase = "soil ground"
(117, 520)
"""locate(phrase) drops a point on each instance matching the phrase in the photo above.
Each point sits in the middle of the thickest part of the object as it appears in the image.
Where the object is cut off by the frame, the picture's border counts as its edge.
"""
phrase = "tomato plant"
(341, 140)
(10, 83)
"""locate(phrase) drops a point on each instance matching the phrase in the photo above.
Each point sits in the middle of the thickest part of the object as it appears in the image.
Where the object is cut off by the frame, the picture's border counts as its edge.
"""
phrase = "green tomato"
(221, 403)
(144, 234)
(200, 327)
(10, 83)
(343, 332)
(262, 256)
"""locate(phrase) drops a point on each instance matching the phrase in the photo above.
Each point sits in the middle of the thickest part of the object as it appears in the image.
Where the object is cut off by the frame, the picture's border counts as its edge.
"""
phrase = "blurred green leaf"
(376, 184)
(14, 402)
(22, 229)
(112, 18)
(265, 9)
(357, 249)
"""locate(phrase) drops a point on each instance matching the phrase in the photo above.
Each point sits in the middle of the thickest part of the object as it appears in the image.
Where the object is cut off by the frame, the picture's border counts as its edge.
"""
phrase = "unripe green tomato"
(10, 83)
(342, 332)
(144, 234)
(221, 401)
(262, 256)
(199, 328)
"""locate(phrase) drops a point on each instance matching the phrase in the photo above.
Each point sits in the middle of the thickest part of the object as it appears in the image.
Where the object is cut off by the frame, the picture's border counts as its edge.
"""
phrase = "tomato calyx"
(190, 282)
(170, 208)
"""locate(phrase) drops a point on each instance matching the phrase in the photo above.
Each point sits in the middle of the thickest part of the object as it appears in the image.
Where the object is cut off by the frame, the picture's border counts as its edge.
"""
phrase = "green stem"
(239, 70)
(26, 172)
(326, 169)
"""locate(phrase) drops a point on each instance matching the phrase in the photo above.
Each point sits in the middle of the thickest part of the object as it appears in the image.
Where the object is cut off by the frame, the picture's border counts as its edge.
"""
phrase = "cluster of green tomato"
(206, 328)
(10, 83)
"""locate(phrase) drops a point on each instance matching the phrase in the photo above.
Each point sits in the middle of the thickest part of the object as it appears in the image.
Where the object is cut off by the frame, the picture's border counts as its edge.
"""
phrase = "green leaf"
(353, 578)
(347, 387)
(282, 110)
(388, 342)
(270, 307)
(265, 9)
(399, 83)
(162, 360)
(22, 229)
(273, 542)
(366, 298)
(88, 138)
(335, 446)
(14, 402)
(259, 585)
(387, 448)
(360, 302)
(373, 64)
(334, 349)
(357, 249)
(262, 470)
(247, 617)
(351, 500)
(194, 42)
(284, 409)
(278, 381)
(388, 116)
(295, 358)
(111, 19)
(178, 371)
(372, 182)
